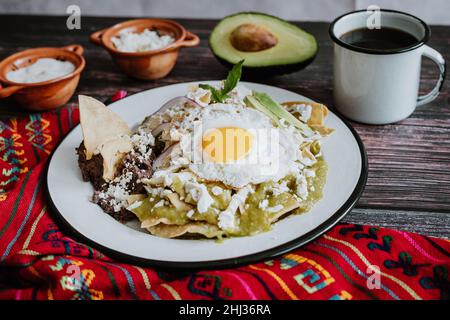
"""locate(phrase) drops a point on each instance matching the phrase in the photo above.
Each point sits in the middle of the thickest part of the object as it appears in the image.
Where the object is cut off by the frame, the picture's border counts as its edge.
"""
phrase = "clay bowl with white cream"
(145, 48)
(42, 78)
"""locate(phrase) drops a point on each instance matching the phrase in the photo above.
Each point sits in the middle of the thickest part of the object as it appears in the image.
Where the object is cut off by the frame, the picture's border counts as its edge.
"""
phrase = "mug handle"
(437, 58)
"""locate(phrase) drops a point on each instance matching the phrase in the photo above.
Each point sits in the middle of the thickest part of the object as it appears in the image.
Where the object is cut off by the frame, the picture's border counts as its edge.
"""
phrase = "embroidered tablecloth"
(39, 261)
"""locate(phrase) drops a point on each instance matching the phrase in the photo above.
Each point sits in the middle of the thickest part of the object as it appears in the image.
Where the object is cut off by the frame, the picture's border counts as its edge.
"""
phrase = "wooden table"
(409, 162)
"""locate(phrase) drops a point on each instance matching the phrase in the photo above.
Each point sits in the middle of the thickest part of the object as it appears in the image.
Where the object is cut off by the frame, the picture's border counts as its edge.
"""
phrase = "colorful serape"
(38, 261)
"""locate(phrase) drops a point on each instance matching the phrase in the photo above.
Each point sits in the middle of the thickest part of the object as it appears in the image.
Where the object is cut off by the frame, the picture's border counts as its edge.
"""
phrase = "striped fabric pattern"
(39, 261)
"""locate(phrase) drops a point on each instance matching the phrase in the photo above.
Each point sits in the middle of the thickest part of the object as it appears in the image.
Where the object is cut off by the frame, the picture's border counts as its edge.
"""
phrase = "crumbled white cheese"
(199, 193)
(190, 213)
(184, 176)
(238, 94)
(156, 192)
(279, 188)
(304, 110)
(201, 96)
(309, 173)
(142, 141)
(160, 203)
(263, 204)
(179, 161)
(128, 41)
(167, 176)
(42, 70)
(227, 218)
(217, 191)
(277, 208)
(134, 205)
(175, 134)
(117, 191)
(302, 187)
(307, 161)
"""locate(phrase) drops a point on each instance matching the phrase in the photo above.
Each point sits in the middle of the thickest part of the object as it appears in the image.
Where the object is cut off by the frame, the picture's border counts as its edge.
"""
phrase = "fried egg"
(237, 146)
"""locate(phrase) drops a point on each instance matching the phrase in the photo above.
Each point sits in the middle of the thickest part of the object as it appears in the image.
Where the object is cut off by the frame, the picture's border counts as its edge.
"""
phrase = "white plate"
(69, 197)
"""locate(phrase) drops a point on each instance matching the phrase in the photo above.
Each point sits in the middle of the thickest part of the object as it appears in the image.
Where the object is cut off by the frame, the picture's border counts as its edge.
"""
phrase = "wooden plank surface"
(409, 162)
(430, 223)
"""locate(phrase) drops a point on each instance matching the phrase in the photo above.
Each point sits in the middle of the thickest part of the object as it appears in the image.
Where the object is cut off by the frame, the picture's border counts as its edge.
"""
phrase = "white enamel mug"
(381, 86)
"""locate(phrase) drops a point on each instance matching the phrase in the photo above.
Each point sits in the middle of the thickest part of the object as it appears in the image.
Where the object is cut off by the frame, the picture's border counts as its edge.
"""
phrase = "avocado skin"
(251, 72)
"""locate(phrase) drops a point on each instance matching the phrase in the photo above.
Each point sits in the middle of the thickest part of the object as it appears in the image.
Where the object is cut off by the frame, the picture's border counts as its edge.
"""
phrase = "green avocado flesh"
(293, 46)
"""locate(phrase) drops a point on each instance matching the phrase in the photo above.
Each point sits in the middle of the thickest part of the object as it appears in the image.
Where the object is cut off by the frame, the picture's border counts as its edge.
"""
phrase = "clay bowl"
(147, 65)
(45, 95)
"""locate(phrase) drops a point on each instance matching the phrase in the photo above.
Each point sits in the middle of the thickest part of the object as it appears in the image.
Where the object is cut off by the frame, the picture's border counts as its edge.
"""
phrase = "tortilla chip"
(174, 198)
(289, 207)
(153, 221)
(318, 114)
(113, 152)
(194, 228)
(322, 130)
(132, 198)
(99, 124)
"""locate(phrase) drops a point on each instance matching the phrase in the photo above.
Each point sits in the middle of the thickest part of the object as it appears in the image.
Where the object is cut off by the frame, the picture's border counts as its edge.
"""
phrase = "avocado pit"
(249, 37)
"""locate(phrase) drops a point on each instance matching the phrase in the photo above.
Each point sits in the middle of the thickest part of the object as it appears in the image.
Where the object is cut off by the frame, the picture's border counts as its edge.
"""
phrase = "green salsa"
(148, 210)
(254, 218)
(316, 183)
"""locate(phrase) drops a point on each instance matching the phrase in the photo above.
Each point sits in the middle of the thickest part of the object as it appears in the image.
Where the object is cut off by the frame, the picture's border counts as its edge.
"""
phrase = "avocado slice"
(268, 44)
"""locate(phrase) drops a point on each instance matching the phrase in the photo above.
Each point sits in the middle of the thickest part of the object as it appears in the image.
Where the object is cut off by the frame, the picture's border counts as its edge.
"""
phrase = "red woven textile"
(38, 261)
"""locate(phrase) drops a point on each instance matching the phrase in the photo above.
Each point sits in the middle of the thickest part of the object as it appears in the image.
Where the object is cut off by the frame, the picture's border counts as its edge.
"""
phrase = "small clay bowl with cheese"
(146, 49)
(42, 78)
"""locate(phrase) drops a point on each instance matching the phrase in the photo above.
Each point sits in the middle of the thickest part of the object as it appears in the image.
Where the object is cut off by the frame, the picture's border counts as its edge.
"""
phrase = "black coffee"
(380, 39)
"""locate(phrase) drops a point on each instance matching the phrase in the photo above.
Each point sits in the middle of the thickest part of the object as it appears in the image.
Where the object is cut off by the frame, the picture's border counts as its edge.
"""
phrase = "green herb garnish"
(273, 110)
(219, 95)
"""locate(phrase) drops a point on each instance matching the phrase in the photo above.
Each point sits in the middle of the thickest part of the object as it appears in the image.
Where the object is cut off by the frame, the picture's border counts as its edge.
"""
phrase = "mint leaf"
(233, 78)
(215, 93)
(219, 95)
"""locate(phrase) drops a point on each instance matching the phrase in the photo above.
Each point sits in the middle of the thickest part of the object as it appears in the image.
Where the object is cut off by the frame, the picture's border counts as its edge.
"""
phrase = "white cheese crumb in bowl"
(42, 70)
(42, 78)
(145, 49)
(128, 41)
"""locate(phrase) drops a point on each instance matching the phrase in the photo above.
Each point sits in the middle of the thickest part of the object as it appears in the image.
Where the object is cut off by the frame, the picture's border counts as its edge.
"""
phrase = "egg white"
(273, 155)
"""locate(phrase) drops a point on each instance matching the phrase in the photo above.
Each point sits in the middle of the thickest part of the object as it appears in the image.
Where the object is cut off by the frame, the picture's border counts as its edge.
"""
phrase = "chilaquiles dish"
(221, 161)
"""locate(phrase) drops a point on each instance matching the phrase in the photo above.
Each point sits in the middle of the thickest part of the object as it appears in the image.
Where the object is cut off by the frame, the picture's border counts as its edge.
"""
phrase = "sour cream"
(147, 40)
(42, 70)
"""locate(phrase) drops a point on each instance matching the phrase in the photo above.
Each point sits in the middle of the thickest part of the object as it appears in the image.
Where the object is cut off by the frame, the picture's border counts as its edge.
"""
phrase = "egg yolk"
(227, 144)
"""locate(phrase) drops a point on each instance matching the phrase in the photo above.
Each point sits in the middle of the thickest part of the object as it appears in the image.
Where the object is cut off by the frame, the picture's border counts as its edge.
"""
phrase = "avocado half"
(268, 44)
